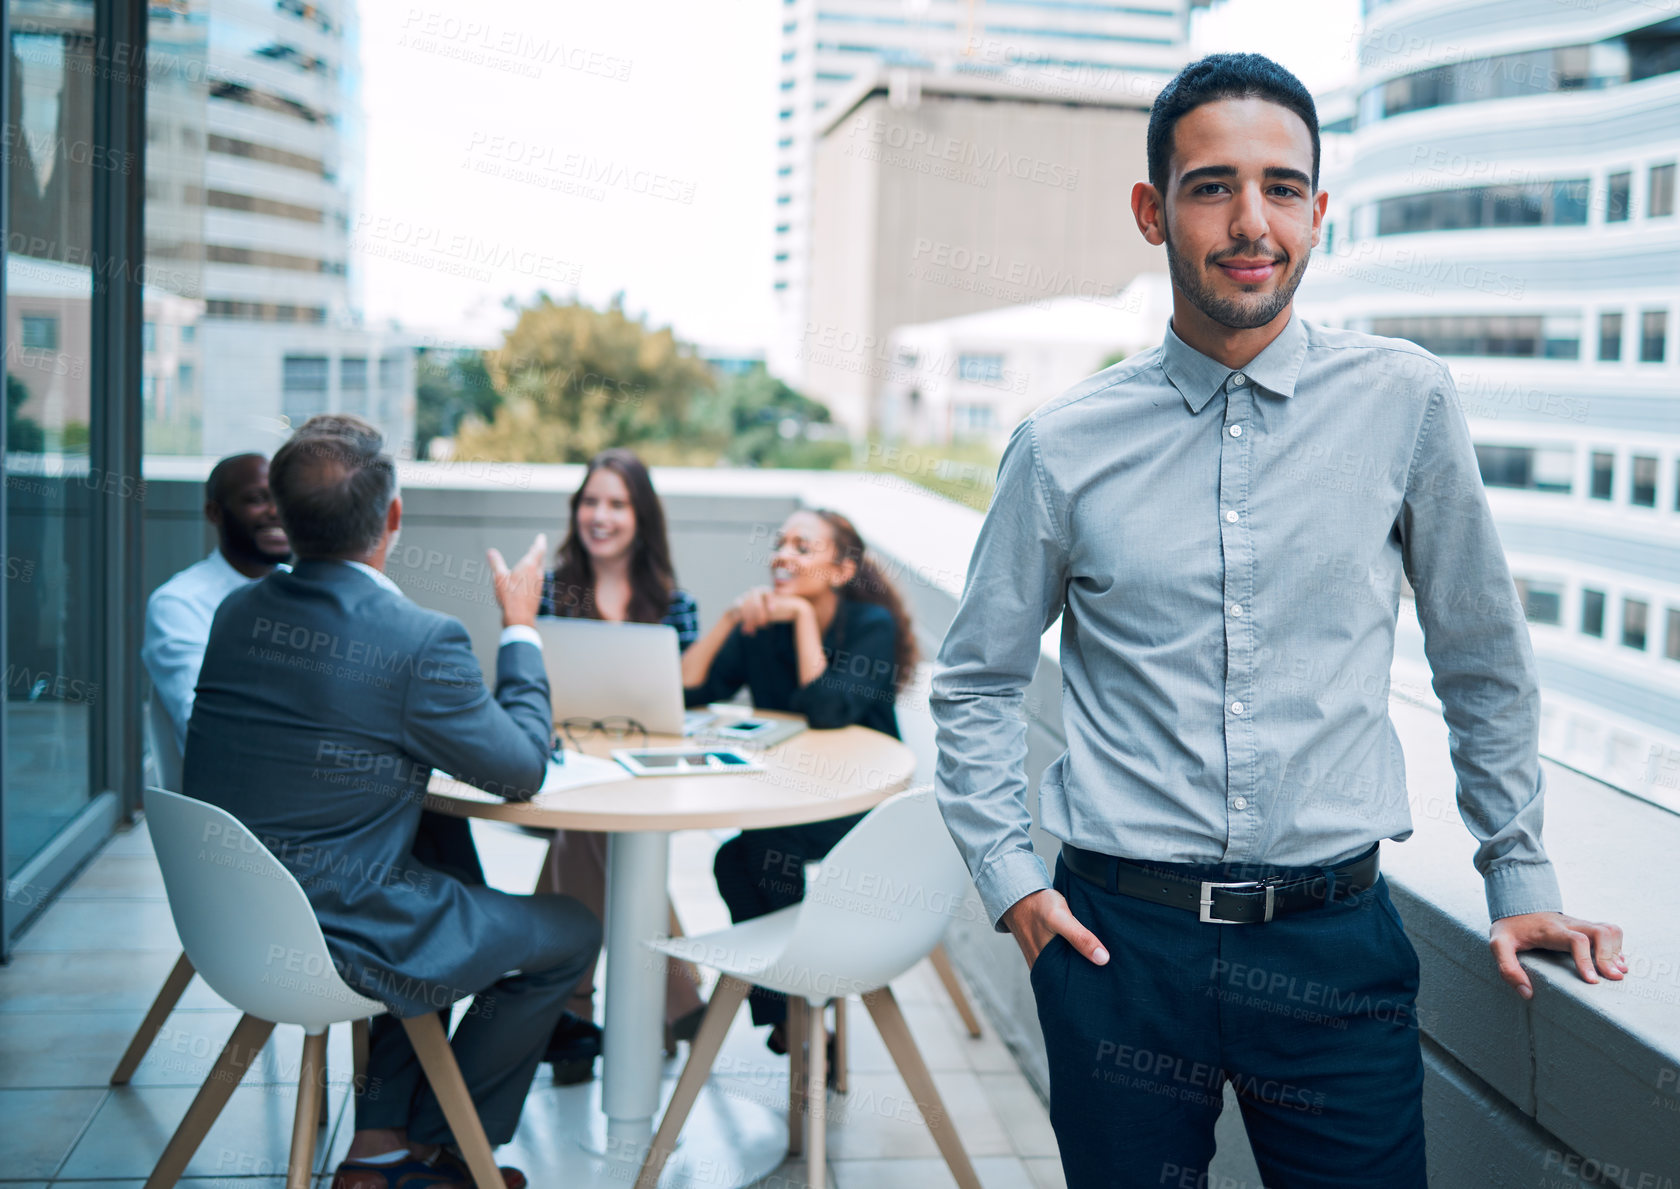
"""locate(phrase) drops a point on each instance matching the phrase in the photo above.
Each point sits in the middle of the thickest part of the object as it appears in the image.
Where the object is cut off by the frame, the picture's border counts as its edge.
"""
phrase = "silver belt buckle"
(1206, 914)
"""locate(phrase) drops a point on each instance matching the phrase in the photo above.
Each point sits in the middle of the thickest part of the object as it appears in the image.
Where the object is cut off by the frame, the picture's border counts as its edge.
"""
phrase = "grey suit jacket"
(324, 703)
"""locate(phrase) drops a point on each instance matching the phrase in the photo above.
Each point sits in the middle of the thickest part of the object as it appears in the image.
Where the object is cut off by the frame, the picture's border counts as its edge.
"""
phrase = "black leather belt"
(1245, 902)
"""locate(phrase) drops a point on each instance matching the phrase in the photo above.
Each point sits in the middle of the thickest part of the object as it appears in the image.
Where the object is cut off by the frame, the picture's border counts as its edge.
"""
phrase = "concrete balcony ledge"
(1594, 1068)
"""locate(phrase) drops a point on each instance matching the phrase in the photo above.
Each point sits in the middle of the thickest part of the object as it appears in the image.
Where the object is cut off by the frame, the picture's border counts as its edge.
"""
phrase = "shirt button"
(1236, 431)
(1236, 707)
(1230, 517)
(1236, 608)
(1239, 379)
(1240, 803)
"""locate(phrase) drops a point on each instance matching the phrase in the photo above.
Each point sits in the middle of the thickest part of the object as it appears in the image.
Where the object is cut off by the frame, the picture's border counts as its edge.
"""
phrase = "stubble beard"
(1230, 312)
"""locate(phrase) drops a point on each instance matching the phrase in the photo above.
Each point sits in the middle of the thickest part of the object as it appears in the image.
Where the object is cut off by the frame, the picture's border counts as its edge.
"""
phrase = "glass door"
(52, 668)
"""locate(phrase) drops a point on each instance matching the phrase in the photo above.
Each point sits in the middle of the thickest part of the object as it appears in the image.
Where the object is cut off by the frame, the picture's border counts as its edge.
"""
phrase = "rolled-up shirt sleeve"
(1015, 590)
(1476, 639)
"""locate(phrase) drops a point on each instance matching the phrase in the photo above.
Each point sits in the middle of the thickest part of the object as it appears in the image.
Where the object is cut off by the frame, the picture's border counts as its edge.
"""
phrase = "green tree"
(450, 386)
(24, 435)
(575, 380)
(753, 419)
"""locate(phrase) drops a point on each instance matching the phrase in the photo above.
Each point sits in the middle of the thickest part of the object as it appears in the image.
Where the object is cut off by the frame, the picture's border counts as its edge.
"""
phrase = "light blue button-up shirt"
(178, 619)
(1226, 549)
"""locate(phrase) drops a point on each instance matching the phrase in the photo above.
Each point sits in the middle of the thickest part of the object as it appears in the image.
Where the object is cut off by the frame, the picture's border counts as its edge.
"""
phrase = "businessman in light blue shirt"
(1223, 525)
(250, 543)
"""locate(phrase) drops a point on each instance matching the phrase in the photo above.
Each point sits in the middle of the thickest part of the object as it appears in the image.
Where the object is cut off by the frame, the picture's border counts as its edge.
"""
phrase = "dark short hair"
(1223, 76)
(333, 485)
(221, 476)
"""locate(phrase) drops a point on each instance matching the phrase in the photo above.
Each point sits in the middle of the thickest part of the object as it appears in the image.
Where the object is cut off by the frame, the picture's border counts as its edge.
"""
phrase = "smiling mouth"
(1249, 273)
(273, 535)
(781, 574)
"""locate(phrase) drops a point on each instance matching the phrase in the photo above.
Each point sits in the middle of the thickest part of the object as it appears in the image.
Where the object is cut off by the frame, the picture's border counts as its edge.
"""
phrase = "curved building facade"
(1506, 198)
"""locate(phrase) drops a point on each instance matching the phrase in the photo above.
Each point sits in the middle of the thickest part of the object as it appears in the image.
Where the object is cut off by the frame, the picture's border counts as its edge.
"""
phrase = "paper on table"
(578, 770)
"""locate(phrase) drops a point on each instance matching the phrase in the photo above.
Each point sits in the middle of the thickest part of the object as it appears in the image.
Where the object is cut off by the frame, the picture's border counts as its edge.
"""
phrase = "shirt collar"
(1197, 377)
(378, 577)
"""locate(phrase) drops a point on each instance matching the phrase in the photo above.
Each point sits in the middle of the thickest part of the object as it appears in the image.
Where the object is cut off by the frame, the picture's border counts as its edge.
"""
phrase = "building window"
(233, 147)
(1653, 336)
(980, 369)
(1592, 613)
(352, 374)
(1527, 468)
(1560, 203)
(184, 378)
(40, 332)
(264, 311)
(1542, 602)
(973, 419)
(1562, 333)
(303, 387)
(148, 336)
(1610, 338)
(1634, 614)
(1603, 475)
(390, 372)
(783, 171)
(304, 373)
(1619, 198)
(1487, 335)
(1671, 638)
(1642, 489)
(261, 258)
(1659, 193)
(188, 333)
(228, 201)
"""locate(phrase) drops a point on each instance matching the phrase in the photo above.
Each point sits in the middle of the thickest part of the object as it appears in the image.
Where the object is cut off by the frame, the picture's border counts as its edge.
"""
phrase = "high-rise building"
(939, 194)
(1122, 50)
(251, 199)
(1506, 199)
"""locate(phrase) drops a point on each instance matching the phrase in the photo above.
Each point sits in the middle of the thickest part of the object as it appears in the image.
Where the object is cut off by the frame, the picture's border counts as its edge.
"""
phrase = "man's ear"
(213, 512)
(393, 515)
(1149, 212)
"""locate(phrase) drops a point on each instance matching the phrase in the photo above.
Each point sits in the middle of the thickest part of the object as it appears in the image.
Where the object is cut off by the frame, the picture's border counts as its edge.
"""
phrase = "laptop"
(601, 670)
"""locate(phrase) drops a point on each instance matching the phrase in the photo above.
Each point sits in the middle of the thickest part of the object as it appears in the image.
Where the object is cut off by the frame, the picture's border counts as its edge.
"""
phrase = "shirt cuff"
(1516, 888)
(1007, 879)
(516, 632)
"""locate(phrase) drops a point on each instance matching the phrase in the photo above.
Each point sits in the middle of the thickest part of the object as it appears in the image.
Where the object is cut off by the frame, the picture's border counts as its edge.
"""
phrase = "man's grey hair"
(333, 485)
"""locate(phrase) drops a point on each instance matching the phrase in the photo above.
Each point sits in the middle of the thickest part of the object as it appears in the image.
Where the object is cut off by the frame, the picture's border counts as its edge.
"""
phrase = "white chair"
(877, 905)
(249, 930)
(166, 763)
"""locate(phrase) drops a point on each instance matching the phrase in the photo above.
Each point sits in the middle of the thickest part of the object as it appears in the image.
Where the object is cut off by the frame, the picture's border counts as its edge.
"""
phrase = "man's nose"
(1248, 219)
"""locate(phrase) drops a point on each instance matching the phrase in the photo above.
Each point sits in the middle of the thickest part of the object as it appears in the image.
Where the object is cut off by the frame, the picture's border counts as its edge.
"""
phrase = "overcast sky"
(623, 146)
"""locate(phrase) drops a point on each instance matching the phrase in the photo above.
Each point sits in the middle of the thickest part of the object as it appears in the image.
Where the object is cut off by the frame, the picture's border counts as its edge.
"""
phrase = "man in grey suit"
(325, 700)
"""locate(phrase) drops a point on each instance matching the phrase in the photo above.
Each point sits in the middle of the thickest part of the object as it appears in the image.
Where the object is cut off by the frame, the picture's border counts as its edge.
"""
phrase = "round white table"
(813, 776)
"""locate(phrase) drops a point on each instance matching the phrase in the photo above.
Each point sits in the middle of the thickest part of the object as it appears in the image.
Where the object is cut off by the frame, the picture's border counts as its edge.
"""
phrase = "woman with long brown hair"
(829, 638)
(614, 564)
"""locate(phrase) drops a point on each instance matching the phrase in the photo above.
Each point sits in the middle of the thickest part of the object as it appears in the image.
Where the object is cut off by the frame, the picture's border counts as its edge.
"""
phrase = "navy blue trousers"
(1311, 1017)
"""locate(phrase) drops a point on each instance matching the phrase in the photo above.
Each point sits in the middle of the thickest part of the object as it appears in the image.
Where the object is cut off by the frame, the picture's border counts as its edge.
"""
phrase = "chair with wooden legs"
(166, 761)
(856, 930)
(959, 999)
(249, 930)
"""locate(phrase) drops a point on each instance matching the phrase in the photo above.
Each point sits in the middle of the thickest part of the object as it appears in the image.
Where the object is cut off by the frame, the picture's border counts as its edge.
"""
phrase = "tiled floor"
(84, 974)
